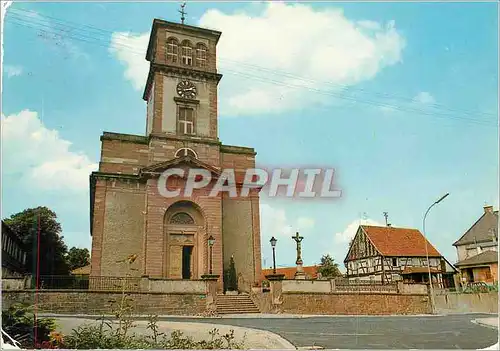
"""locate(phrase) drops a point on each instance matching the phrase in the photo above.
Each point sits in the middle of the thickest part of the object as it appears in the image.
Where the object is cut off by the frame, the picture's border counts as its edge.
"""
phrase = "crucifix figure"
(298, 240)
(300, 271)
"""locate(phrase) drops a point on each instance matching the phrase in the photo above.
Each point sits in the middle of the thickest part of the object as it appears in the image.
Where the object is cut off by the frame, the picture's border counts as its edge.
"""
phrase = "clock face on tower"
(186, 89)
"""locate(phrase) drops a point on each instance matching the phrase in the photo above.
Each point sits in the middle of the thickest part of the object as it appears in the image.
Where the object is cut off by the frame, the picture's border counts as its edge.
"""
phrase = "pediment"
(178, 162)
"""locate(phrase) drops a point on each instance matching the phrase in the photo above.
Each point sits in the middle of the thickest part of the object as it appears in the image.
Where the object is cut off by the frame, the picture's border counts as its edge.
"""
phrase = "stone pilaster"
(276, 285)
(211, 289)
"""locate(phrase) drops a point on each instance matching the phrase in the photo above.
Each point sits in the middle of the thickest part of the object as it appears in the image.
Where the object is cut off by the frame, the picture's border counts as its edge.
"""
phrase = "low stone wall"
(413, 288)
(331, 286)
(307, 286)
(354, 303)
(263, 301)
(177, 286)
(463, 303)
(14, 283)
(99, 302)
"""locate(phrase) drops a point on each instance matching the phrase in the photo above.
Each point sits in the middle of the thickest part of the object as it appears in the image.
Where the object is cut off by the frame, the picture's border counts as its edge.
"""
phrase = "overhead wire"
(64, 32)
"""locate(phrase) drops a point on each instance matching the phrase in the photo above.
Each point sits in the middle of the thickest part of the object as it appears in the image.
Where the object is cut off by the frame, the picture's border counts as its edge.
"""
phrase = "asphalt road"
(397, 332)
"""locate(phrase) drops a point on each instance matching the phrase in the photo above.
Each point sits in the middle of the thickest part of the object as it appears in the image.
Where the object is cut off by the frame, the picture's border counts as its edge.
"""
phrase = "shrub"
(18, 321)
(230, 277)
(100, 337)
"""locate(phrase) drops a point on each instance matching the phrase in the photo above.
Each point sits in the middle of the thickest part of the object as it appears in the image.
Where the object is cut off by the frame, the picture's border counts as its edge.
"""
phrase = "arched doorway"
(184, 237)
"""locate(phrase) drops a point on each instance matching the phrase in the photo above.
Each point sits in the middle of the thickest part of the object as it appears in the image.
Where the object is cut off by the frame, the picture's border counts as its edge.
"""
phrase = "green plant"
(96, 337)
(105, 336)
(153, 326)
(19, 322)
(328, 267)
(230, 277)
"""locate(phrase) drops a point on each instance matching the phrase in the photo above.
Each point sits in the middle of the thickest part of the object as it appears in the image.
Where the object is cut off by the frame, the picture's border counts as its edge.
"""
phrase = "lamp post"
(273, 245)
(427, 249)
(211, 242)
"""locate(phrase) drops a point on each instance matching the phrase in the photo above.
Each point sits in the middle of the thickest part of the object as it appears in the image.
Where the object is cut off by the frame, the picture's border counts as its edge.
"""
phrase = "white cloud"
(12, 71)
(275, 222)
(130, 49)
(424, 98)
(349, 232)
(41, 156)
(297, 48)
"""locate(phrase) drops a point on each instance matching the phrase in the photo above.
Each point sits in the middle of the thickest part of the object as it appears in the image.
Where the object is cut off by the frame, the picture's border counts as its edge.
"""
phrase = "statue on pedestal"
(300, 270)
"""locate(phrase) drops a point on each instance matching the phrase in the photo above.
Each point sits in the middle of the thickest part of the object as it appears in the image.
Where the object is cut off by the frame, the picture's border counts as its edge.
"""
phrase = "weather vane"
(182, 12)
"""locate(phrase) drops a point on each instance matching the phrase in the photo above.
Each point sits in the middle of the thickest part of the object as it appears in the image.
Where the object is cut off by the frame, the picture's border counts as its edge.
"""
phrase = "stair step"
(235, 304)
(237, 311)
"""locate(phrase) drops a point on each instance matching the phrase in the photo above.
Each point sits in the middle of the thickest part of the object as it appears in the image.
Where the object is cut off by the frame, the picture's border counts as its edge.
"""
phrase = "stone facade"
(129, 215)
(98, 302)
(355, 304)
(92, 303)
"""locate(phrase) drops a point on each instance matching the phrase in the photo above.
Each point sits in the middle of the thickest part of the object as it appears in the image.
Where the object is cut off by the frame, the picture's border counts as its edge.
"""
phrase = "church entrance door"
(186, 261)
(184, 242)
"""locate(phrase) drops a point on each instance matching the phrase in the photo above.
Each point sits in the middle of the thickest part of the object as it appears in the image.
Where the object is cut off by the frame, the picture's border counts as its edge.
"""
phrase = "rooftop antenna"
(386, 215)
(182, 12)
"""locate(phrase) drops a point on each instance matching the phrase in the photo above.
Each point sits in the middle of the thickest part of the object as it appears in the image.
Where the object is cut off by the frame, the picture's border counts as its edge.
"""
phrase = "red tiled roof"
(391, 241)
(85, 270)
(289, 272)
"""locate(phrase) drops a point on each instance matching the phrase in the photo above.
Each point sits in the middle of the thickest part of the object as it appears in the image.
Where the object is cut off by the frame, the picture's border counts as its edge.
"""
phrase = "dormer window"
(185, 151)
(187, 53)
(172, 50)
(201, 55)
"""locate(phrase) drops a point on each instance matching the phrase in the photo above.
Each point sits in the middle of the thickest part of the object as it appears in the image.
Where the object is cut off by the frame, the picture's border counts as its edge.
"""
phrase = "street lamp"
(211, 242)
(427, 249)
(273, 245)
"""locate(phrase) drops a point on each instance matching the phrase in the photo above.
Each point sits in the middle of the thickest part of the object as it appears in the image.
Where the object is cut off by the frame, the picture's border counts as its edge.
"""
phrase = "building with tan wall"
(130, 215)
(477, 249)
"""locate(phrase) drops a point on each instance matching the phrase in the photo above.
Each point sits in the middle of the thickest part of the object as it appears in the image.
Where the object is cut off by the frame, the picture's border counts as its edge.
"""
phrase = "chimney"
(488, 209)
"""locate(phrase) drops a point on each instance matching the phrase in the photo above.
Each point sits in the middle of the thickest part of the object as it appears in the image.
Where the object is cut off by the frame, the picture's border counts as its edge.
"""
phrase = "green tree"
(231, 279)
(328, 267)
(77, 258)
(52, 249)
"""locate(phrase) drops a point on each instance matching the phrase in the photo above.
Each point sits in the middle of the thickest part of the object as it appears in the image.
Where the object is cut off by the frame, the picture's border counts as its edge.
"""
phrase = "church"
(169, 236)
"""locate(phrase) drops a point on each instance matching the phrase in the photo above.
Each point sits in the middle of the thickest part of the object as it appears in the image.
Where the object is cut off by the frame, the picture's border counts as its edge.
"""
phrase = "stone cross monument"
(300, 270)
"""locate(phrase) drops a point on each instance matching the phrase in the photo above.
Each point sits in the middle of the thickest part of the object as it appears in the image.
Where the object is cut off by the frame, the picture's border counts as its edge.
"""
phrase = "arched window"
(181, 218)
(172, 50)
(186, 152)
(201, 55)
(187, 53)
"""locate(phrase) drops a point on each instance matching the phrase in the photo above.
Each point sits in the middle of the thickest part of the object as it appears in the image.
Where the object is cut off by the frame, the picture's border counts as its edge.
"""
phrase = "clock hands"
(186, 89)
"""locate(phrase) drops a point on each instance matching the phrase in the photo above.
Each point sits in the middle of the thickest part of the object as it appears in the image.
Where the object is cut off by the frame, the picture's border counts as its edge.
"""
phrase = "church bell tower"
(181, 88)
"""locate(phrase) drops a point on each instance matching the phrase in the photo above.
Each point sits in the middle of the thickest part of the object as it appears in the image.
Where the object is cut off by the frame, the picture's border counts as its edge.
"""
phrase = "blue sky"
(400, 98)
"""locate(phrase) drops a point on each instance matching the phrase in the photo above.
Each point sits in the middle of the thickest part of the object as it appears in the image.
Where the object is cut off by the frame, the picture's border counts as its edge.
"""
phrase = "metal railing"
(351, 285)
(76, 282)
(367, 288)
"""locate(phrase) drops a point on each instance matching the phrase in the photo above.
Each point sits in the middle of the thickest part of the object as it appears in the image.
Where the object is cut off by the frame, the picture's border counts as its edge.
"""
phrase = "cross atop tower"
(182, 12)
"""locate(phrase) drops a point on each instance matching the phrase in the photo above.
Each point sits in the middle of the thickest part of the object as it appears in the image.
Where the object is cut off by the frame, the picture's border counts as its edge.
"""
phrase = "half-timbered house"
(389, 254)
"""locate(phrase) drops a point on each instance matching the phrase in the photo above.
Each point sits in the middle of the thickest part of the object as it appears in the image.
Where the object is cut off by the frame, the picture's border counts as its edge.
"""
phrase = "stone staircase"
(235, 304)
